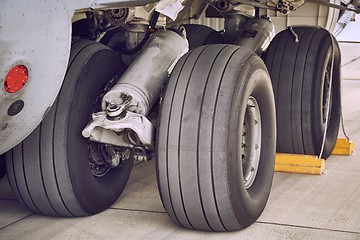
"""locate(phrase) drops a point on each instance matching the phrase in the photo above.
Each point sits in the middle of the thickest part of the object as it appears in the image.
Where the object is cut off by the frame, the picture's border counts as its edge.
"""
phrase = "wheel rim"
(104, 157)
(251, 142)
(327, 95)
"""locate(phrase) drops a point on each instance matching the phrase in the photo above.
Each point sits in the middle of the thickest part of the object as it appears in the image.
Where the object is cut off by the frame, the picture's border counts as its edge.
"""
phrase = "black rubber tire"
(49, 171)
(81, 29)
(114, 39)
(2, 166)
(199, 170)
(199, 35)
(298, 71)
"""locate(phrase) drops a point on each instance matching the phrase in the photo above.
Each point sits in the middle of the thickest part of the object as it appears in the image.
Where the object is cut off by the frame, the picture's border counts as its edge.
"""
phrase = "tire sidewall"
(199, 35)
(324, 58)
(252, 201)
(93, 193)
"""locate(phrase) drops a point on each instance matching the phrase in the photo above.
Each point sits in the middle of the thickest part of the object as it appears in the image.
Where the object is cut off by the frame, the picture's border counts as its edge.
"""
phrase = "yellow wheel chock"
(310, 164)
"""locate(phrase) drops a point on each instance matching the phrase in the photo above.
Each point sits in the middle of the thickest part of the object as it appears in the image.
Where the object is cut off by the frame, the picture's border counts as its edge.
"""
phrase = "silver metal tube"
(144, 78)
(256, 34)
(233, 24)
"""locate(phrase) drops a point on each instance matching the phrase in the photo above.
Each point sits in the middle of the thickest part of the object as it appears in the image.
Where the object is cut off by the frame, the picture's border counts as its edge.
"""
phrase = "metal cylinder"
(146, 75)
(256, 34)
(232, 26)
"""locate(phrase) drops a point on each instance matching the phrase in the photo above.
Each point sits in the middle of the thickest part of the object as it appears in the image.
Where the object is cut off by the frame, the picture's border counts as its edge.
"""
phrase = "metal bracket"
(286, 6)
(349, 7)
(101, 129)
(293, 5)
(257, 4)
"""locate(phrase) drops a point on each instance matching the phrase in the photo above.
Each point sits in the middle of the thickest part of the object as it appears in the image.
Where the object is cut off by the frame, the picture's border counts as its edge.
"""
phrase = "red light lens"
(16, 79)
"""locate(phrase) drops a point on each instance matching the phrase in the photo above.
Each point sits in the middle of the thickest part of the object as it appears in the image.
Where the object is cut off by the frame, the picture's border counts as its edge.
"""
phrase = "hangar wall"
(309, 14)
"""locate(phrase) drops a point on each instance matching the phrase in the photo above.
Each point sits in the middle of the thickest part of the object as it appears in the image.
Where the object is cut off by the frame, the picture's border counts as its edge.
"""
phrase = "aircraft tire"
(80, 29)
(2, 166)
(114, 39)
(216, 139)
(300, 72)
(199, 35)
(49, 171)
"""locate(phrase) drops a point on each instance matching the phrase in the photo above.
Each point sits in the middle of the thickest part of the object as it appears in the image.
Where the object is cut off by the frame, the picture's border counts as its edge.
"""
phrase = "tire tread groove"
(198, 144)
(25, 181)
(53, 159)
(167, 142)
(42, 174)
(213, 141)
(18, 193)
(179, 137)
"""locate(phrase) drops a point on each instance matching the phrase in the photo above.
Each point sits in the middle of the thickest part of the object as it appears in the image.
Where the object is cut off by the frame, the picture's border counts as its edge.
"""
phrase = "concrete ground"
(300, 206)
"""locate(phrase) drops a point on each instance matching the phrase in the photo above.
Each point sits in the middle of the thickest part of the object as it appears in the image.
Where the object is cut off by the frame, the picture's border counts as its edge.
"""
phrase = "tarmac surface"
(300, 206)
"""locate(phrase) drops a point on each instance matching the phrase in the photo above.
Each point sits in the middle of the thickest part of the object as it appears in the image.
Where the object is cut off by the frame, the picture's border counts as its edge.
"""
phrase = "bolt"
(267, 17)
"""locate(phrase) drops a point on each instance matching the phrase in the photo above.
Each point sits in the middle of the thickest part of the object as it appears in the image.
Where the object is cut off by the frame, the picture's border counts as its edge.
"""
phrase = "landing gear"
(199, 35)
(304, 65)
(216, 139)
(57, 172)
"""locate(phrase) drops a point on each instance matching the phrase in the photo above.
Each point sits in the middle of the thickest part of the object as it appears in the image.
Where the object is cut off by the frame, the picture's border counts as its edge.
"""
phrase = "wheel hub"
(251, 142)
(326, 95)
(103, 157)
